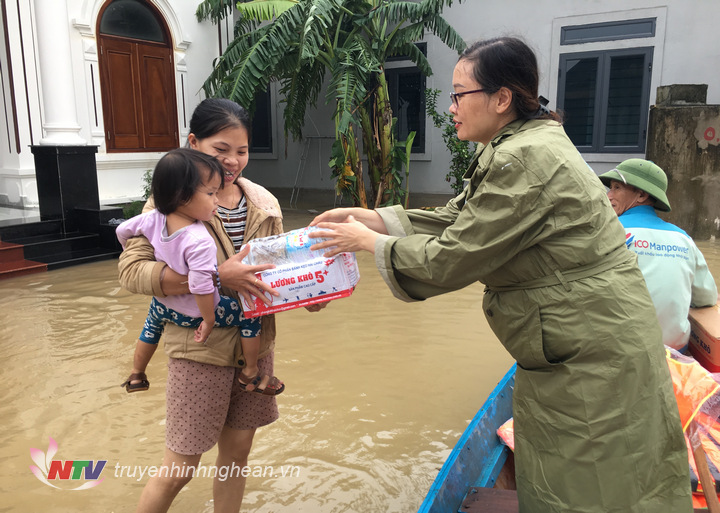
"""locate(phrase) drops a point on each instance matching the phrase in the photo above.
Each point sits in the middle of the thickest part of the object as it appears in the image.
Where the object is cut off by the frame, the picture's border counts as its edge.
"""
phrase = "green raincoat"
(596, 423)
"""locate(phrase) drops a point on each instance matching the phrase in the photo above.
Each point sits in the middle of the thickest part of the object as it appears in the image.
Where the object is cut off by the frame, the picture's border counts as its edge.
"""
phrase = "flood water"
(378, 392)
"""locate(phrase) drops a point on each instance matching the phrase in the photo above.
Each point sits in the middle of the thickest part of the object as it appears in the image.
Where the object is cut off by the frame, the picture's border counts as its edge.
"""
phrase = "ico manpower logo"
(65, 472)
(630, 240)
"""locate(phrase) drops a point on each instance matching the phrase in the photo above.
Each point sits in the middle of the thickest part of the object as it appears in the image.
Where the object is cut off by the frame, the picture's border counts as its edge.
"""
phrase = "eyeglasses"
(455, 97)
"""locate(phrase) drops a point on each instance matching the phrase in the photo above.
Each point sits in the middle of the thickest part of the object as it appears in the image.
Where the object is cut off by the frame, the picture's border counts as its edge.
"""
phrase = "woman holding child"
(209, 400)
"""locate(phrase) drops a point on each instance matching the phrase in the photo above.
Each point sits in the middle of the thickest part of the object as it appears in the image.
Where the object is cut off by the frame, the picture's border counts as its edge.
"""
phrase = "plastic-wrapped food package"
(286, 248)
(302, 277)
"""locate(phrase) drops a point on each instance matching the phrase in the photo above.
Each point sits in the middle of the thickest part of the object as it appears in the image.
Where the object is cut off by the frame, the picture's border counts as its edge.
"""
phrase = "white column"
(60, 123)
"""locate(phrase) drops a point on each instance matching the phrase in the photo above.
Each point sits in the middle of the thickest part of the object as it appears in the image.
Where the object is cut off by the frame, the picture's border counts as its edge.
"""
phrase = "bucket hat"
(643, 174)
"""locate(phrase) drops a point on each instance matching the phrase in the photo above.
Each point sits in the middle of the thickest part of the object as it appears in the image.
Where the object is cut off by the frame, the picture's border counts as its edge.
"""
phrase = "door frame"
(137, 46)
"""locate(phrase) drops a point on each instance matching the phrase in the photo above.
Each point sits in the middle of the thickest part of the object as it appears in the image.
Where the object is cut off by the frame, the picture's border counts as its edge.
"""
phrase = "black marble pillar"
(66, 181)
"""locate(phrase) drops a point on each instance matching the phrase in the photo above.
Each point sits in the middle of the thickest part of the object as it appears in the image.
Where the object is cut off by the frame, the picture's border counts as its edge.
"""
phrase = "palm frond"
(244, 26)
(406, 34)
(399, 10)
(214, 10)
(224, 64)
(265, 10)
(448, 35)
(436, 6)
(249, 61)
(410, 20)
(300, 91)
(351, 75)
(414, 54)
(348, 39)
(321, 16)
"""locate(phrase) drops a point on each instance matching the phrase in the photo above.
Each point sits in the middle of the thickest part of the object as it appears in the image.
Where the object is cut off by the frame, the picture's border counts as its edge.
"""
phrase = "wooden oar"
(706, 480)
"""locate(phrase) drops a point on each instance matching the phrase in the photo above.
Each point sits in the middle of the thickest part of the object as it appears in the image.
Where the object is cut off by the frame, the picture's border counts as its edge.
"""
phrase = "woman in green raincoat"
(596, 423)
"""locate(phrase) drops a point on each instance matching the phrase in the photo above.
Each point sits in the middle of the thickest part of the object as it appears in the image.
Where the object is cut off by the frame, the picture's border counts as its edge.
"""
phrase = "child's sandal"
(274, 386)
(143, 383)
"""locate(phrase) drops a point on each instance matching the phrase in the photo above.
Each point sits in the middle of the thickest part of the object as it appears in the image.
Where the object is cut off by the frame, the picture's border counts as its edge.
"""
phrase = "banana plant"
(339, 46)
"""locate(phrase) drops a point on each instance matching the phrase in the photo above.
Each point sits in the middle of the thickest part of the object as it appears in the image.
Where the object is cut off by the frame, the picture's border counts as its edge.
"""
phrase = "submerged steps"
(13, 262)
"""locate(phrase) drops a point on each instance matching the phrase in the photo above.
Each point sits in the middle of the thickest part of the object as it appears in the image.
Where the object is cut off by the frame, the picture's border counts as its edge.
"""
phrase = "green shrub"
(461, 151)
(133, 209)
(147, 182)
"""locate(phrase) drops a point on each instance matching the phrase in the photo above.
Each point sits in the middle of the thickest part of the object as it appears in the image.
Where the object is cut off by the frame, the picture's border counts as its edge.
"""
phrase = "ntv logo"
(48, 469)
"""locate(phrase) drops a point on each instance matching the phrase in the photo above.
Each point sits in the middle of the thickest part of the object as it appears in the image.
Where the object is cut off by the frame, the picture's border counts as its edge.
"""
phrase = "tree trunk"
(372, 151)
(354, 162)
(385, 142)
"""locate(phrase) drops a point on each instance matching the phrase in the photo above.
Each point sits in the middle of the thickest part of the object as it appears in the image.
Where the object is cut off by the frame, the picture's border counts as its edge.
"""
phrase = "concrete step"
(17, 268)
(54, 251)
(10, 252)
(13, 262)
(77, 257)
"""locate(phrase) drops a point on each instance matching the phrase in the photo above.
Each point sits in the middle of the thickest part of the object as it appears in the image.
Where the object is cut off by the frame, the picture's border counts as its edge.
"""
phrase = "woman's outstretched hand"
(241, 277)
(369, 218)
(346, 236)
(335, 215)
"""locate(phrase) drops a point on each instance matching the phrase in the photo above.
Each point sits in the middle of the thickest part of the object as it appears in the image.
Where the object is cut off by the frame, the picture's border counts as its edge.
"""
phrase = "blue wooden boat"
(479, 474)
(480, 464)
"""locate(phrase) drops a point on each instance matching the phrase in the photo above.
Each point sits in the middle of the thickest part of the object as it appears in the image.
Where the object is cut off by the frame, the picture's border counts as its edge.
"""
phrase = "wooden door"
(122, 106)
(138, 86)
(157, 97)
(137, 78)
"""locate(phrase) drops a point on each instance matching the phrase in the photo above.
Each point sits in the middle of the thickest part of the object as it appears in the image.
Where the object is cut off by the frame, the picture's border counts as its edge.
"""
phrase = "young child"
(184, 189)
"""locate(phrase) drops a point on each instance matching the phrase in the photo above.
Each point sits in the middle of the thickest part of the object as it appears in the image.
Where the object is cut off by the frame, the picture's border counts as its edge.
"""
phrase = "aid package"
(301, 276)
(705, 336)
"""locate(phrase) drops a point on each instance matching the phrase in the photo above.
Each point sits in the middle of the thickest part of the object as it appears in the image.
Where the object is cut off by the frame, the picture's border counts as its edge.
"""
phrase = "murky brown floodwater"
(378, 392)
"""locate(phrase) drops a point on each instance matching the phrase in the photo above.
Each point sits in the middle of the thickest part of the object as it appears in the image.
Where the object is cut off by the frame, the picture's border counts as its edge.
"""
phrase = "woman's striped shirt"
(233, 220)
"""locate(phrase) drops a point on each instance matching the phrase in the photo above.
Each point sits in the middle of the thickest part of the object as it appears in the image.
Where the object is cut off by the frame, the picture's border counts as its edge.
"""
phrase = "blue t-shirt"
(675, 271)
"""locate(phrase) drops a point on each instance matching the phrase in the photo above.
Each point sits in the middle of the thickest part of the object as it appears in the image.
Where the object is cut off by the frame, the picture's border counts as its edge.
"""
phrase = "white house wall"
(678, 58)
(686, 51)
(19, 81)
(119, 174)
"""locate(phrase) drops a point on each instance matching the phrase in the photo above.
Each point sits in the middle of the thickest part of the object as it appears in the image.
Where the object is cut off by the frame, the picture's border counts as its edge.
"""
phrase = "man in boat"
(675, 270)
